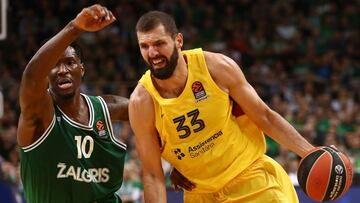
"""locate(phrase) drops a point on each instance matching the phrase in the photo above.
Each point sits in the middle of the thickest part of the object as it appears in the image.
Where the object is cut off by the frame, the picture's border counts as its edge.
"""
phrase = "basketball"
(325, 174)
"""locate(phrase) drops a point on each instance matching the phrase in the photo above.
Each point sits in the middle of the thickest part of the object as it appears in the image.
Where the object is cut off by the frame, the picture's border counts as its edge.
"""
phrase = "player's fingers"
(107, 22)
(181, 181)
(174, 180)
(104, 22)
(175, 187)
(188, 185)
(112, 15)
(109, 15)
(333, 146)
(91, 12)
(177, 182)
(103, 14)
(98, 10)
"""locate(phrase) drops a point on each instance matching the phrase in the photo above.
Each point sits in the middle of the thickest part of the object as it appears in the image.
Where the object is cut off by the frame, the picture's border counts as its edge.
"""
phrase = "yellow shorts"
(264, 181)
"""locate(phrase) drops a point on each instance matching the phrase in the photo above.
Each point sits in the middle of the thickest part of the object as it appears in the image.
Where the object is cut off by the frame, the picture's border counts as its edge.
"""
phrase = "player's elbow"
(270, 115)
(266, 118)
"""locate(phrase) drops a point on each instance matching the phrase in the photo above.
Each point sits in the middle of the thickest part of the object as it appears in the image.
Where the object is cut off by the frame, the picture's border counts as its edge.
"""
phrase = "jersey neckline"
(77, 124)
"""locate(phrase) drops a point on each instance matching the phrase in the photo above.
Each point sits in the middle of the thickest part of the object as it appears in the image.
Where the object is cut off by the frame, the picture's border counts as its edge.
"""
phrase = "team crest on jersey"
(199, 91)
(178, 153)
(100, 128)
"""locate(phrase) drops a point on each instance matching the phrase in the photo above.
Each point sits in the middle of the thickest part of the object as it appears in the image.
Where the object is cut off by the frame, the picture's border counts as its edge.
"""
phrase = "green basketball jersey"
(74, 163)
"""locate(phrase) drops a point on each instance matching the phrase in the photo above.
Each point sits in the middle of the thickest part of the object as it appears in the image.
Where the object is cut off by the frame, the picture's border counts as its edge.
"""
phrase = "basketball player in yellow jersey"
(181, 110)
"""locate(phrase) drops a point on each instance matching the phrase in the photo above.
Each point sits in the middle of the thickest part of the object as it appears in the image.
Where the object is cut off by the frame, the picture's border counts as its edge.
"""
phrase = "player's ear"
(179, 40)
(82, 69)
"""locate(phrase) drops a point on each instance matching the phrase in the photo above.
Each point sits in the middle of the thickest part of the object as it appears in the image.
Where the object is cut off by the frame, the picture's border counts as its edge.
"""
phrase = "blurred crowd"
(302, 57)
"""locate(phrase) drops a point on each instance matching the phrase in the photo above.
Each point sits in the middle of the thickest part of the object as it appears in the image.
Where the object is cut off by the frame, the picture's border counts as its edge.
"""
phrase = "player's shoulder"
(218, 60)
(140, 95)
(141, 106)
(220, 65)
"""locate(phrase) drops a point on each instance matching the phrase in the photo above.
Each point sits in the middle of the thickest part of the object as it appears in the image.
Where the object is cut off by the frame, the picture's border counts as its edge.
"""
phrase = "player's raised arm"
(142, 120)
(35, 101)
(229, 75)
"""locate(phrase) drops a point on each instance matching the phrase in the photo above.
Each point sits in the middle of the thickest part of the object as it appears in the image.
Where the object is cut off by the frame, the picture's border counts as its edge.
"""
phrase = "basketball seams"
(338, 161)
(325, 174)
(348, 176)
(307, 155)
(336, 156)
(310, 153)
(324, 152)
(344, 176)
(330, 174)
(304, 171)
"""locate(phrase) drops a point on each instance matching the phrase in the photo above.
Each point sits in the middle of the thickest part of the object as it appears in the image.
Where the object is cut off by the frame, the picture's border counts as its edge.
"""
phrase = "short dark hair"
(77, 49)
(152, 19)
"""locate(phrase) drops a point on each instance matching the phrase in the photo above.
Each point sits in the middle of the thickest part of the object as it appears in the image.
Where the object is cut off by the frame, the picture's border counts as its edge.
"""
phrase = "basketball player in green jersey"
(186, 100)
(68, 150)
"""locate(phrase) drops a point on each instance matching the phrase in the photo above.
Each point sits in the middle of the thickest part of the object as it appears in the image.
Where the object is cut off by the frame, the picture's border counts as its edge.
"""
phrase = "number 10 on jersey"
(85, 146)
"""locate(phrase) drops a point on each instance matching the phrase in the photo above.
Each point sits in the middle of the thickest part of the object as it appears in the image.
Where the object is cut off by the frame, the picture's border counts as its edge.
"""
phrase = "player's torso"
(199, 135)
(72, 162)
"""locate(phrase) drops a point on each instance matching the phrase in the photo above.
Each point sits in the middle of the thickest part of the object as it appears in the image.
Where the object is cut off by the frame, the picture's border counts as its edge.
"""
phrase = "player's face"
(65, 77)
(160, 51)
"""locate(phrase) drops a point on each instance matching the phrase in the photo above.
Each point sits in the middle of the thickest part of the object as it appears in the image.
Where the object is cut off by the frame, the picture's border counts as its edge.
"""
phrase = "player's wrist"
(74, 28)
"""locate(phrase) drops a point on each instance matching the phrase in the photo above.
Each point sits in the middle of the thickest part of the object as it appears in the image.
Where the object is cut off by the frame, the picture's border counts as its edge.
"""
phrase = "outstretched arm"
(142, 120)
(230, 78)
(35, 102)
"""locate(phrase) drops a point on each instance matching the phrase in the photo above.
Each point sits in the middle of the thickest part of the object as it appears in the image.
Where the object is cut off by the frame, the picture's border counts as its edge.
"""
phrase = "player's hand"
(93, 18)
(333, 146)
(179, 181)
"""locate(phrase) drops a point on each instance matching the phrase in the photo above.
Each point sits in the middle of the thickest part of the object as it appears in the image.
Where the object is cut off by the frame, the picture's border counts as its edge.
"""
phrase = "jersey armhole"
(208, 74)
(41, 138)
(109, 124)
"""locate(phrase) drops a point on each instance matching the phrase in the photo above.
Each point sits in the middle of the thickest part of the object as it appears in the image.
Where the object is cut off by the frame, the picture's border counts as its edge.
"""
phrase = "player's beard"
(167, 71)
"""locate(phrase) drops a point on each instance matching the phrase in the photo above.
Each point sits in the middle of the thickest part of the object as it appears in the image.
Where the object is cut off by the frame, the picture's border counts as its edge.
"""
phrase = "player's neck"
(75, 108)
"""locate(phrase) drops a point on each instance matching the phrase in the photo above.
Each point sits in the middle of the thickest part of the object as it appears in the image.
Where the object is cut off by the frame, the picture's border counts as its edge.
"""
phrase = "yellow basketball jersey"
(199, 135)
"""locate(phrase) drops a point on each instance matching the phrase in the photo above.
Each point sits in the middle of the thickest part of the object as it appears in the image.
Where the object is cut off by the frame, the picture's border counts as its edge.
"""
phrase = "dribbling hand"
(93, 18)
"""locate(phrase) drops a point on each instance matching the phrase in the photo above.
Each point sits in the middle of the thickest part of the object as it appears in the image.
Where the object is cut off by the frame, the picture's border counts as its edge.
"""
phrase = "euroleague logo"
(101, 129)
(99, 125)
(198, 91)
(339, 169)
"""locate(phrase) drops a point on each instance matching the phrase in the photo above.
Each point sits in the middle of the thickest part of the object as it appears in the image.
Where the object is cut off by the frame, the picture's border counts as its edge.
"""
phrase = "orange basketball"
(325, 174)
